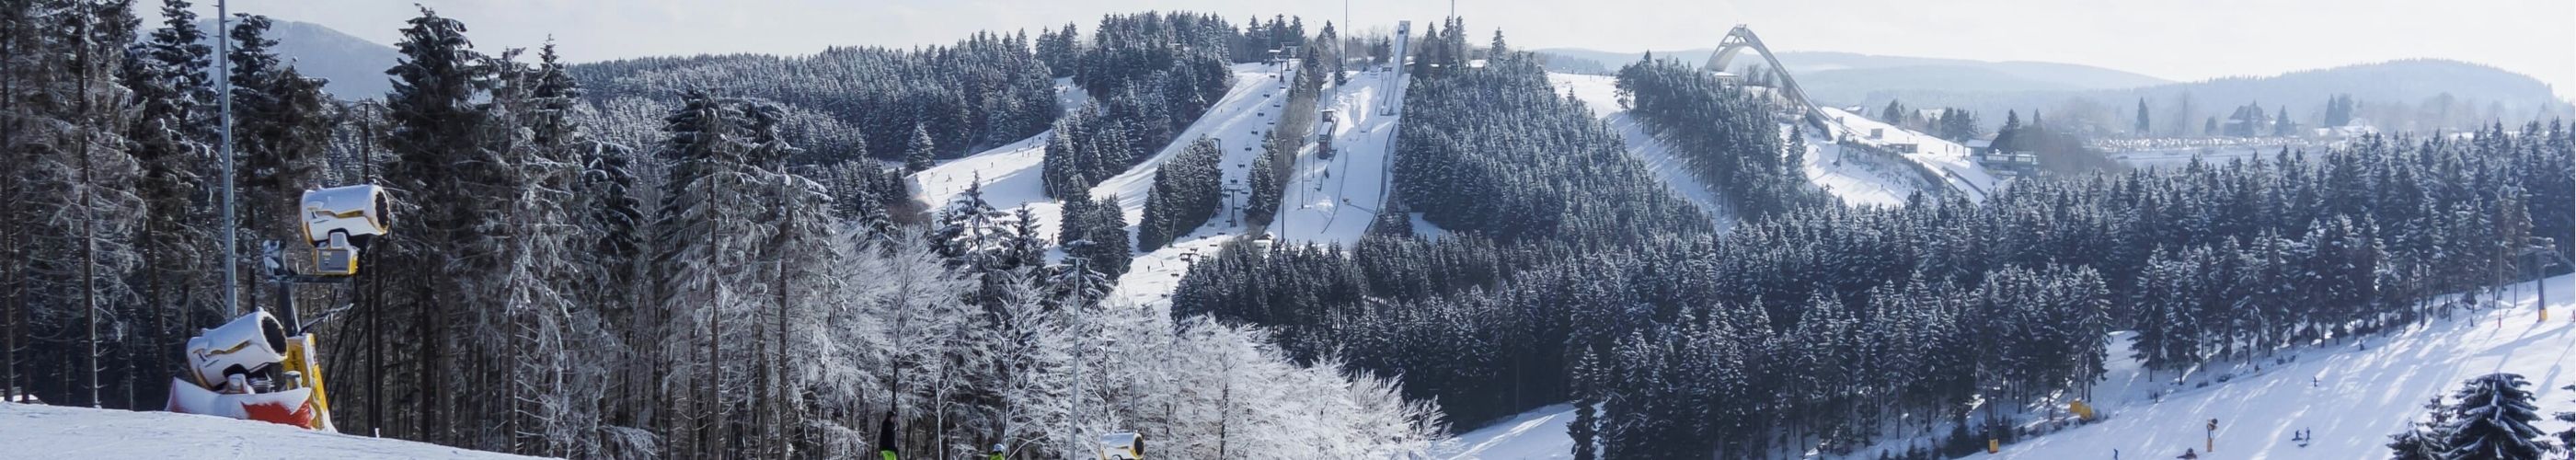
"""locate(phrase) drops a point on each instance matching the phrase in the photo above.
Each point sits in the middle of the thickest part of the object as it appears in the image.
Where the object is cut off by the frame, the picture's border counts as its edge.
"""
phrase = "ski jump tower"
(1742, 38)
(1402, 51)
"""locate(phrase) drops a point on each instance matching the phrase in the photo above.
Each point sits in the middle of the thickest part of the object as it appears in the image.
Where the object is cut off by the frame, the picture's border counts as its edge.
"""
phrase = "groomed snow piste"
(2351, 396)
(1948, 158)
(1333, 201)
(55, 432)
(1011, 177)
(1853, 180)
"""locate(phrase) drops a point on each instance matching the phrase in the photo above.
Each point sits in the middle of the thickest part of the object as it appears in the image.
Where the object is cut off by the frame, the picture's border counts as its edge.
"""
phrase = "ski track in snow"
(40, 431)
(1238, 122)
(2358, 396)
(1949, 158)
(1334, 201)
(1854, 184)
(1011, 176)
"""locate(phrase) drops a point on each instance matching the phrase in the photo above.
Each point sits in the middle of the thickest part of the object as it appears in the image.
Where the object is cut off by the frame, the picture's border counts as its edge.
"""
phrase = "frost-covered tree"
(919, 154)
(2493, 421)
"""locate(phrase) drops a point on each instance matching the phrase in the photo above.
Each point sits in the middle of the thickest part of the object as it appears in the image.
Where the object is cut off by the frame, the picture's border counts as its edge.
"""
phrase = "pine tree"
(2423, 440)
(2493, 421)
(1586, 426)
(2143, 125)
(2281, 124)
(919, 153)
(167, 74)
(437, 123)
(281, 129)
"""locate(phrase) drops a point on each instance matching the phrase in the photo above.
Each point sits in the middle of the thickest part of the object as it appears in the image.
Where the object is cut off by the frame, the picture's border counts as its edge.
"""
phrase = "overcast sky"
(2172, 39)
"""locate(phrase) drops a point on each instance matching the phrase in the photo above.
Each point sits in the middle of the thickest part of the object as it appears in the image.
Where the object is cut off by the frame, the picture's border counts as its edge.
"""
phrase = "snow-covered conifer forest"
(1032, 241)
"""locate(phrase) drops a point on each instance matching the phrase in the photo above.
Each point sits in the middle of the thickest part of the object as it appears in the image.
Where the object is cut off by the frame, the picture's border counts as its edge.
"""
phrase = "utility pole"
(224, 91)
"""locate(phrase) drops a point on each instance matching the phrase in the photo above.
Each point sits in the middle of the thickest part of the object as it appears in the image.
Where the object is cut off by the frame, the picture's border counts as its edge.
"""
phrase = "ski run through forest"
(1264, 239)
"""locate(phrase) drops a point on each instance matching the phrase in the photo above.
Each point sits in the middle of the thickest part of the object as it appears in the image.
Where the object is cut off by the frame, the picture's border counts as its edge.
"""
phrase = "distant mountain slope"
(2411, 95)
(355, 66)
(1840, 78)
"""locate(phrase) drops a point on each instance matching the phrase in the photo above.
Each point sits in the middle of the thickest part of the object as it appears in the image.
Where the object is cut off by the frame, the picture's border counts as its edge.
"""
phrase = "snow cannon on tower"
(341, 221)
(1122, 446)
(262, 365)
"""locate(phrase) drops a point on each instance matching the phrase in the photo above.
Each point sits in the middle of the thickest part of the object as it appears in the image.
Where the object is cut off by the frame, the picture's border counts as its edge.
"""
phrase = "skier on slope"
(997, 452)
(2187, 454)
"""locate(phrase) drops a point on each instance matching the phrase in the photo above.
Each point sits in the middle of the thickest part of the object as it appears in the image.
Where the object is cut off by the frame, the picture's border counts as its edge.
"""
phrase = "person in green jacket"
(997, 452)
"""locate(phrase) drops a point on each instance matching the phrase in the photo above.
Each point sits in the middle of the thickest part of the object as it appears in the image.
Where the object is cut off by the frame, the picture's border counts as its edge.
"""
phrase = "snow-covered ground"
(1010, 173)
(1534, 435)
(1948, 158)
(1856, 179)
(54, 432)
(1239, 123)
(1333, 201)
(1011, 176)
(2351, 396)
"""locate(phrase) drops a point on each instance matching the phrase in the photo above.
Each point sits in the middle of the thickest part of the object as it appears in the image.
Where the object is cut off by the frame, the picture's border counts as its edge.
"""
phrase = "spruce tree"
(171, 135)
(437, 123)
(918, 155)
(2493, 421)
(2143, 125)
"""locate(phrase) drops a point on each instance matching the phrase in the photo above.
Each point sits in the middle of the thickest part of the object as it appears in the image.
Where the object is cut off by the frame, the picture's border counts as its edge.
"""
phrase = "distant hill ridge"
(354, 66)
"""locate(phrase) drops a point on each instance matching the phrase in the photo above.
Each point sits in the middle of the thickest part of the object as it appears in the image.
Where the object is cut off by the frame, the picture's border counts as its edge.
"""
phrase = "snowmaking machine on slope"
(262, 365)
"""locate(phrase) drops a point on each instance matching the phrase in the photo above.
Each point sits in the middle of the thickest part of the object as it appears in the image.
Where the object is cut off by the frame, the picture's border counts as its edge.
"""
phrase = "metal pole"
(224, 91)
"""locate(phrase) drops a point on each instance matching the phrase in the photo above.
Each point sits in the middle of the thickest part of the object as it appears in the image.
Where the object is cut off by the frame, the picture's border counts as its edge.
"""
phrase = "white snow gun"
(264, 366)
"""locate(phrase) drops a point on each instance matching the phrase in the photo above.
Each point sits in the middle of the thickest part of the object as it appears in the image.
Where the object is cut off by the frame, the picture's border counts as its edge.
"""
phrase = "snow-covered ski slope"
(1010, 173)
(1948, 158)
(1855, 182)
(1333, 201)
(54, 432)
(1238, 123)
(1011, 177)
(1534, 435)
(2352, 396)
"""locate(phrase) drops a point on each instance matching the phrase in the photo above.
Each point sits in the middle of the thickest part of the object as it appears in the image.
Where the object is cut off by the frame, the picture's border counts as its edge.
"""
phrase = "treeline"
(1523, 176)
(863, 102)
(1727, 136)
(109, 250)
(1923, 306)
(1495, 150)
(559, 288)
(1829, 327)
(1149, 76)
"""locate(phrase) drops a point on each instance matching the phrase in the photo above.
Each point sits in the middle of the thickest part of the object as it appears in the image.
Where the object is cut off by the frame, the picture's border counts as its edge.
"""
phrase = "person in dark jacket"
(885, 437)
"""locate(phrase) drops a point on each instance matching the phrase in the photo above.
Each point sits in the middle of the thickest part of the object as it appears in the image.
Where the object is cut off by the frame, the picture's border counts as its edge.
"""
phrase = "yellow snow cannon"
(251, 369)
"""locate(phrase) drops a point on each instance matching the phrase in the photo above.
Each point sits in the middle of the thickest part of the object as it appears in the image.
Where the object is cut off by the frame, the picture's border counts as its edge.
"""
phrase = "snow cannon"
(341, 222)
(1122, 446)
(250, 369)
